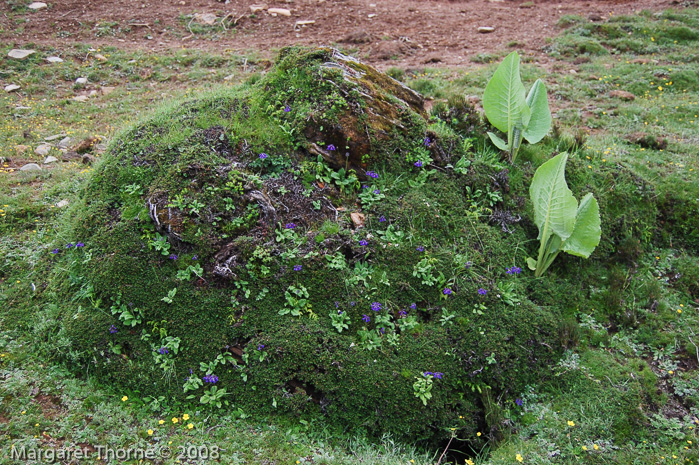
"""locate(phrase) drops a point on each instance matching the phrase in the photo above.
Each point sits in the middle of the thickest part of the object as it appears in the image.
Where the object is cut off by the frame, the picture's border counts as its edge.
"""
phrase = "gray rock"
(208, 19)
(30, 167)
(20, 54)
(65, 142)
(43, 150)
(50, 159)
(54, 137)
(11, 87)
(62, 203)
(486, 29)
(37, 6)
(81, 80)
(54, 60)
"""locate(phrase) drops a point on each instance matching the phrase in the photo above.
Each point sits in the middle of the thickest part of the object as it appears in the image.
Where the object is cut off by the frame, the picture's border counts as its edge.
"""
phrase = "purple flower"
(519, 402)
(413, 306)
(353, 303)
(420, 248)
(287, 109)
(163, 351)
(213, 379)
(446, 291)
(482, 291)
(515, 270)
(290, 225)
(112, 329)
(194, 257)
(382, 331)
(68, 246)
(382, 219)
(331, 147)
(365, 186)
(427, 373)
(418, 164)
(377, 192)
(263, 156)
(363, 243)
(403, 313)
(375, 306)
(438, 375)
(55, 251)
(366, 319)
(297, 267)
(337, 304)
(173, 257)
(260, 347)
(372, 174)
(79, 244)
(427, 141)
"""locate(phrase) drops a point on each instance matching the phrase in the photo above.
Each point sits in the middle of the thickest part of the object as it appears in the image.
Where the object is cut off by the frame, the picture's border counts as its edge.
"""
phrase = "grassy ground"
(627, 391)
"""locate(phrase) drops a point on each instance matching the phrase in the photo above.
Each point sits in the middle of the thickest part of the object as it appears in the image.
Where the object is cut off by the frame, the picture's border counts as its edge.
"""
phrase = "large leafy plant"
(509, 111)
(564, 225)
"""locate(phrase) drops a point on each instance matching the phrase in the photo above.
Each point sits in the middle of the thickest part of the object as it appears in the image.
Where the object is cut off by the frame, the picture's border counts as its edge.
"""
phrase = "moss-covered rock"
(217, 234)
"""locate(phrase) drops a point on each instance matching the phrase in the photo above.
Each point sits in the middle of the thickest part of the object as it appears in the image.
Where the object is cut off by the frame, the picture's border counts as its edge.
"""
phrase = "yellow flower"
(23, 412)
(469, 462)
(596, 446)
(175, 420)
(670, 372)
(679, 310)
(161, 422)
(571, 423)
(124, 399)
(584, 447)
(478, 434)
(190, 426)
(150, 432)
(185, 417)
(519, 458)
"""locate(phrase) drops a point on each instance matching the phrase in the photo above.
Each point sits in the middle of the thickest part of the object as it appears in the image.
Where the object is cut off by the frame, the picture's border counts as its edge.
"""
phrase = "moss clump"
(217, 234)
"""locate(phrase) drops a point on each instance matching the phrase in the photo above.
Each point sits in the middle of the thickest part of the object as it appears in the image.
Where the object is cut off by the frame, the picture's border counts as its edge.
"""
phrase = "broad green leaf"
(504, 97)
(587, 232)
(501, 144)
(554, 204)
(540, 121)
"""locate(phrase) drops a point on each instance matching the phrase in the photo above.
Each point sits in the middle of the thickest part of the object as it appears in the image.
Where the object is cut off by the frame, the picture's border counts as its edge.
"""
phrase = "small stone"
(279, 11)
(30, 167)
(81, 81)
(50, 159)
(623, 95)
(20, 54)
(54, 60)
(357, 37)
(11, 88)
(54, 137)
(594, 17)
(37, 6)
(88, 159)
(70, 156)
(208, 19)
(101, 57)
(229, 77)
(486, 29)
(357, 219)
(373, 15)
(304, 23)
(62, 204)
(65, 142)
(572, 71)
(106, 90)
(255, 8)
(43, 150)
(81, 98)
(93, 93)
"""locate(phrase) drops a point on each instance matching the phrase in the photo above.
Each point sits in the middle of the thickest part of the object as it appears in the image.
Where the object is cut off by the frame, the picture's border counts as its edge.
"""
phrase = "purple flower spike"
(363, 243)
(372, 174)
(290, 225)
(331, 147)
(382, 219)
(447, 291)
(55, 251)
(375, 306)
(377, 192)
(260, 347)
(112, 329)
(420, 248)
(482, 291)
(366, 319)
(68, 246)
(263, 156)
(173, 257)
(418, 164)
(413, 306)
(519, 402)
(79, 244)
(427, 141)
(163, 351)
(212, 379)
(297, 267)
(287, 109)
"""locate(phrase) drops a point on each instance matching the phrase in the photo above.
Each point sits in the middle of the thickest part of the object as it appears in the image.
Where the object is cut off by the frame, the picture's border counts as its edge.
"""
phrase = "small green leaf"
(588, 231)
(554, 205)
(540, 121)
(504, 97)
(531, 263)
(499, 143)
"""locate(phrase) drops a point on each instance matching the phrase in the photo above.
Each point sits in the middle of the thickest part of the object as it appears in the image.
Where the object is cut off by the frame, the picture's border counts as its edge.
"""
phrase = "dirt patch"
(403, 33)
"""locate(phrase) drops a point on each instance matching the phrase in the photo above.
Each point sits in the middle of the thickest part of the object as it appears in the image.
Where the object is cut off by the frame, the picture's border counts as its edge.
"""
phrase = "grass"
(626, 390)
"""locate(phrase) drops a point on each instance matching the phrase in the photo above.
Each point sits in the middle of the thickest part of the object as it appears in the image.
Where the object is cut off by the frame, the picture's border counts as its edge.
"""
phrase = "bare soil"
(405, 33)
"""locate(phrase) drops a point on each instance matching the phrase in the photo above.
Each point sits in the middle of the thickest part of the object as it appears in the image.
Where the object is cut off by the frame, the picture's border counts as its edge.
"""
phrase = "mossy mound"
(224, 236)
